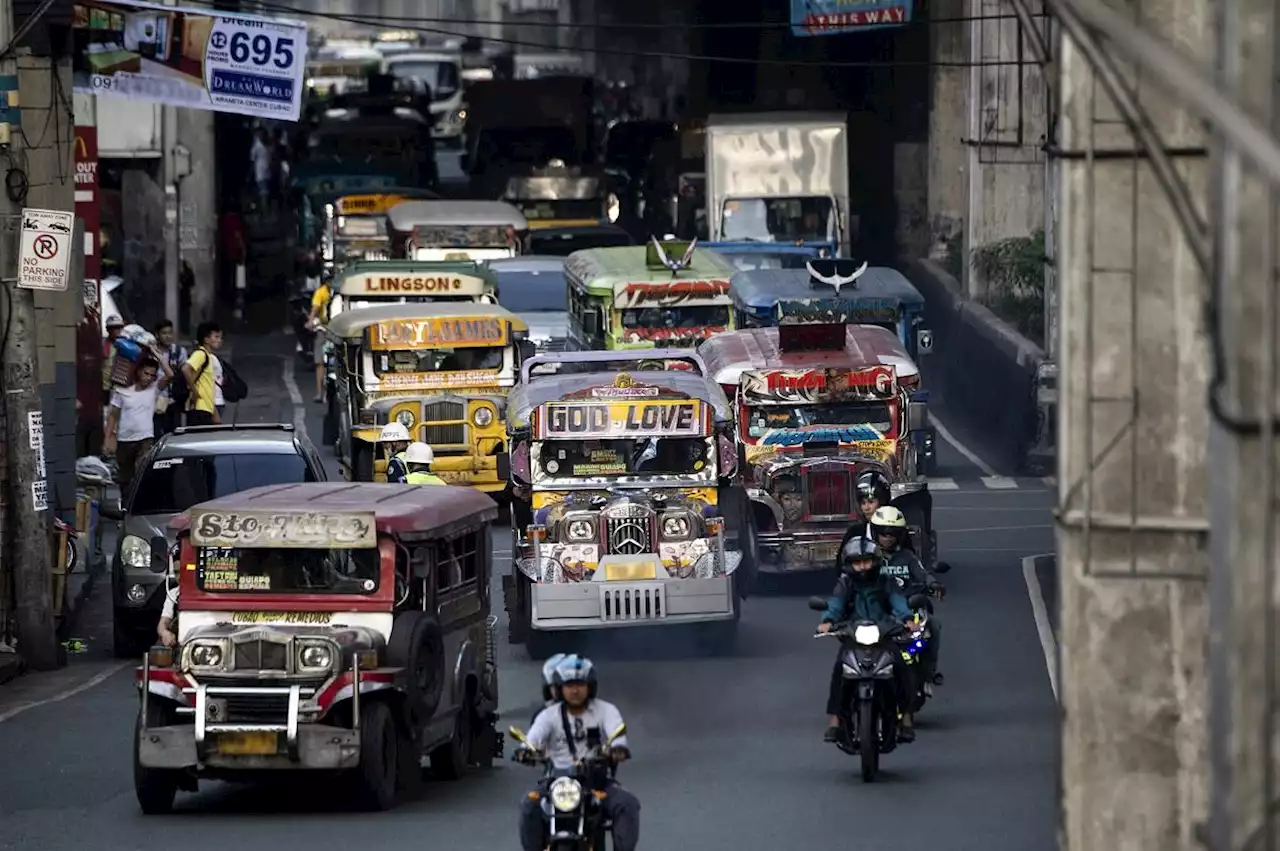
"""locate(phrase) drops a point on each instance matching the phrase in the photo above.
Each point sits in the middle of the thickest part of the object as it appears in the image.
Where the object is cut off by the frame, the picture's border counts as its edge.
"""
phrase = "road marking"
(962, 449)
(96, 679)
(295, 397)
(943, 485)
(1044, 627)
(999, 483)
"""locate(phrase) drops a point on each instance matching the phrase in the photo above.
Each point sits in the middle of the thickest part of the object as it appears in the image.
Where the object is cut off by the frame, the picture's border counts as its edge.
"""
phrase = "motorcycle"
(571, 808)
(869, 709)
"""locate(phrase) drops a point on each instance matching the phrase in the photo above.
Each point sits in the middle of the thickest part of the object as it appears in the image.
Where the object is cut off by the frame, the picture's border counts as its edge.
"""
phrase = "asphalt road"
(728, 751)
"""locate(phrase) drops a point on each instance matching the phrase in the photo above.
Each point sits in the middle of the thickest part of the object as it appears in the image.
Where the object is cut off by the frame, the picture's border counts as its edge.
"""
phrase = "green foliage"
(1013, 270)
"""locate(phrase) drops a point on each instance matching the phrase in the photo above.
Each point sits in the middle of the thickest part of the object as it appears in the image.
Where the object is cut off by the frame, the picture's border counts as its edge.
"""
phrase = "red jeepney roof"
(730, 354)
(399, 508)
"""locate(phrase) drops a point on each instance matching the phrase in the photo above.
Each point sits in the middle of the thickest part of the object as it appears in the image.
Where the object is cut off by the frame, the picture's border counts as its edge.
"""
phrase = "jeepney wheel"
(375, 779)
(450, 760)
(417, 645)
(155, 788)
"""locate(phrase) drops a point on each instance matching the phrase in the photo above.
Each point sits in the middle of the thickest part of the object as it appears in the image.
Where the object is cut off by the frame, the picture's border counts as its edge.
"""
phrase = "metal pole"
(28, 489)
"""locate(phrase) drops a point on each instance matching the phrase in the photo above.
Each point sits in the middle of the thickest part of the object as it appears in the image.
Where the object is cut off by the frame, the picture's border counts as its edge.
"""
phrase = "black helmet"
(861, 549)
(873, 484)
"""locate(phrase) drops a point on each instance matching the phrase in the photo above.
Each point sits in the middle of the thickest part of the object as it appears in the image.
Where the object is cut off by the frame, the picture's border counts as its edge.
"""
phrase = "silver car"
(533, 287)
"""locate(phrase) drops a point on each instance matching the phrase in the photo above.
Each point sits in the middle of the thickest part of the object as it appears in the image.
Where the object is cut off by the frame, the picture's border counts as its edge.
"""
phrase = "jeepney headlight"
(482, 417)
(135, 551)
(206, 656)
(613, 207)
(566, 794)
(580, 531)
(677, 526)
(315, 657)
(405, 418)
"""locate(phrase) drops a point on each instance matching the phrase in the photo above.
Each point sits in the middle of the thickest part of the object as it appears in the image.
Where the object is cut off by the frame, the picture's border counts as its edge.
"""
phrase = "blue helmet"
(576, 669)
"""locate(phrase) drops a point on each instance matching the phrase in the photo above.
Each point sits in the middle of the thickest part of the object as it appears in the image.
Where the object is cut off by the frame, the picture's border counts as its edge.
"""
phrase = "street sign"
(45, 259)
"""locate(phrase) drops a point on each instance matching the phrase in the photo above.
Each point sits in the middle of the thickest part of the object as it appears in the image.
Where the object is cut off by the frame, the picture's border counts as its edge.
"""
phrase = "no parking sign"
(45, 260)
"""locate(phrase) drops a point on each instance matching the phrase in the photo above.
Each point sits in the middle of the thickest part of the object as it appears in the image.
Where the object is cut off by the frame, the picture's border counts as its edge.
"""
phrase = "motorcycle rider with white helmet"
(565, 731)
(418, 459)
(394, 440)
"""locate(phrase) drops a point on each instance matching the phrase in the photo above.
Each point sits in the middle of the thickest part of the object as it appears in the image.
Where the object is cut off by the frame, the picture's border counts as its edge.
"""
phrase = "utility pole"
(28, 498)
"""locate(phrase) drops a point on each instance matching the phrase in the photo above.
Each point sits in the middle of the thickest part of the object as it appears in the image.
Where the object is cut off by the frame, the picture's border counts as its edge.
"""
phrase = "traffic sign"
(45, 261)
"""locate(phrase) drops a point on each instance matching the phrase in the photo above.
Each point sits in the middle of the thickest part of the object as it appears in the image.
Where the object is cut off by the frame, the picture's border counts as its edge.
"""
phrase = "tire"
(742, 517)
(868, 741)
(451, 760)
(375, 780)
(417, 645)
(155, 788)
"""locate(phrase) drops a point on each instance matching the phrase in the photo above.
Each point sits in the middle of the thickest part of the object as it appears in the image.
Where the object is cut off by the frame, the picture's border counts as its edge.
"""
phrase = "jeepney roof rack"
(637, 357)
(672, 255)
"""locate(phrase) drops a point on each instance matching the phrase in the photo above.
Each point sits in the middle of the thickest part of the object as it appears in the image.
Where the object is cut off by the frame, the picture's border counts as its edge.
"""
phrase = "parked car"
(185, 468)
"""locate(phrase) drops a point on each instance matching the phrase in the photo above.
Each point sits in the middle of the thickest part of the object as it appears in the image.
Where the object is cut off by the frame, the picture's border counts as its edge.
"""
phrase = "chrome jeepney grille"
(450, 434)
(261, 656)
(829, 493)
(629, 530)
(443, 411)
(262, 708)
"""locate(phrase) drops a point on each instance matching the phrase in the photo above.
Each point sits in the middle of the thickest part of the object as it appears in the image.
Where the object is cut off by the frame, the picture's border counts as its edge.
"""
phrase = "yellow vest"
(424, 479)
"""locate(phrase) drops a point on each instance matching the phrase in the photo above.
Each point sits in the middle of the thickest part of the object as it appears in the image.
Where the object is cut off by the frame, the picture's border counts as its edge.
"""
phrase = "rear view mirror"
(818, 604)
(917, 416)
(591, 322)
(517, 734)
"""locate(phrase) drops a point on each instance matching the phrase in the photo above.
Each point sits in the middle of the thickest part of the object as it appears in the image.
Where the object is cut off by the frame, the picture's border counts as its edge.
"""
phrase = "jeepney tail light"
(537, 534)
(160, 657)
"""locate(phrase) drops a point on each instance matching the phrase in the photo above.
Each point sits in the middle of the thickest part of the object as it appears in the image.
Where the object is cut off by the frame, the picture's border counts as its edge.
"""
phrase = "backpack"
(179, 389)
(233, 387)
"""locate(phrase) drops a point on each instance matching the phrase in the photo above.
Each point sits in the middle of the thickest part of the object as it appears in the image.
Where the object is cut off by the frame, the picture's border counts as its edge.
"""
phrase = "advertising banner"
(837, 17)
(442, 332)
(219, 61)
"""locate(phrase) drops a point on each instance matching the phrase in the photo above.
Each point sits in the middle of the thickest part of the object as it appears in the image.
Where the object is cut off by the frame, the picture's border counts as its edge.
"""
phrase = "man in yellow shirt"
(418, 458)
(203, 372)
(320, 300)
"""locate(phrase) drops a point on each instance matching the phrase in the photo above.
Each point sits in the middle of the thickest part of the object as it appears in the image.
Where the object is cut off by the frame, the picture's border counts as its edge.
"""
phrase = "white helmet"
(419, 453)
(394, 433)
(889, 517)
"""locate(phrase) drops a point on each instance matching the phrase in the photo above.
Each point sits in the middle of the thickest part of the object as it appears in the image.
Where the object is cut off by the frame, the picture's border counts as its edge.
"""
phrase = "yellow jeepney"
(443, 371)
(365, 284)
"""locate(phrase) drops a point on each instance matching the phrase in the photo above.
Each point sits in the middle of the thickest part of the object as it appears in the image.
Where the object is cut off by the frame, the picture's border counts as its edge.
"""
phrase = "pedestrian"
(203, 372)
(131, 421)
(318, 318)
(260, 156)
(114, 326)
(175, 356)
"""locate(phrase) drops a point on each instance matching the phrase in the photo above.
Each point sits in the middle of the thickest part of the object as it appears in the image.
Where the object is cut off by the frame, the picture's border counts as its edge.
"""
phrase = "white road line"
(943, 485)
(1044, 628)
(999, 483)
(295, 397)
(962, 449)
(96, 679)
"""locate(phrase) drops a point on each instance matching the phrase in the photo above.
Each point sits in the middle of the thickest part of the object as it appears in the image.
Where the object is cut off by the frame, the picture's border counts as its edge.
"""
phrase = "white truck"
(780, 177)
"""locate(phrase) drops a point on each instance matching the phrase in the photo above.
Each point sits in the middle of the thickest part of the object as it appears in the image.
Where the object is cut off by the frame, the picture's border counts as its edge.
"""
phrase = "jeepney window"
(287, 571)
(438, 360)
(653, 318)
(766, 418)
(657, 456)
(457, 563)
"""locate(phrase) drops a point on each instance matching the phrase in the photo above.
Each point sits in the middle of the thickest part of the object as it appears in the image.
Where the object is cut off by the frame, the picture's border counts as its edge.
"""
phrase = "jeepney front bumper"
(315, 747)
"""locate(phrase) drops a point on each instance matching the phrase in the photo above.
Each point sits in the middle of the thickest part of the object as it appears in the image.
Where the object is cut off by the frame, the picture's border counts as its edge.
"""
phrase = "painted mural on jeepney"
(463, 236)
(676, 338)
(878, 448)
(673, 294)
(823, 311)
(816, 386)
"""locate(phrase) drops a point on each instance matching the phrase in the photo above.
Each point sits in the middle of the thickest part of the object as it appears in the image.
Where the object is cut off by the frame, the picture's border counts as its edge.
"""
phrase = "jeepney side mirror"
(917, 416)
(924, 341)
(591, 322)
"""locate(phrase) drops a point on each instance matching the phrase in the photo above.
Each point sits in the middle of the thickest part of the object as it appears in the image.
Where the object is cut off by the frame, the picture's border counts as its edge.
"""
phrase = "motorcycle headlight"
(206, 656)
(566, 794)
(677, 526)
(135, 551)
(482, 417)
(580, 531)
(405, 418)
(867, 635)
(613, 207)
(314, 657)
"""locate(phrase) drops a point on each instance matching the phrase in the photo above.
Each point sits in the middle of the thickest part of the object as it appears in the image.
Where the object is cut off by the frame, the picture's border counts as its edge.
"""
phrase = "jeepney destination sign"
(412, 285)
(634, 419)
(443, 332)
(811, 386)
(284, 529)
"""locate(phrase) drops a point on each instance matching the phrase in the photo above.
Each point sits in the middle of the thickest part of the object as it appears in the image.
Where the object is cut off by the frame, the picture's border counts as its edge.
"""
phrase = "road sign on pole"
(45, 261)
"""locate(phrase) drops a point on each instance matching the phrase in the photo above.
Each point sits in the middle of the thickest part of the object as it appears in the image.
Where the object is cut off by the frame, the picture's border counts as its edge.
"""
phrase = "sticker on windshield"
(166, 463)
(599, 469)
(219, 571)
(254, 583)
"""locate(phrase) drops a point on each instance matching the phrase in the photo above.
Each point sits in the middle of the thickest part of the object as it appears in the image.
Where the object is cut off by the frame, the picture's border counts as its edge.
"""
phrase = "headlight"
(482, 417)
(405, 418)
(206, 656)
(677, 526)
(613, 207)
(579, 531)
(135, 551)
(566, 794)
(867, 634)
(315, 656)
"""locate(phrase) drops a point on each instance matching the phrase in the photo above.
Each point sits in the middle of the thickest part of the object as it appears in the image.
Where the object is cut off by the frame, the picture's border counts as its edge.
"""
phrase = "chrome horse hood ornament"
(674, 265)
(835, 280)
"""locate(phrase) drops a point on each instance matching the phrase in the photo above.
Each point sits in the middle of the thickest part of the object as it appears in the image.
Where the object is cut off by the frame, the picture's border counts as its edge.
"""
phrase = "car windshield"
(172, 485)
(766, 418)
(438, 360)
(442, 77)
(653, 456)
(778, 219)
(751, 262)
(534, 292)
(286, 571)
(651, 318)
(562, 245)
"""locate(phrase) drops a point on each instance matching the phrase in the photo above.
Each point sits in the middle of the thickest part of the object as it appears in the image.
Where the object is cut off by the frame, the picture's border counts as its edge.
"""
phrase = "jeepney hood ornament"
(835, 280)
(674, 265)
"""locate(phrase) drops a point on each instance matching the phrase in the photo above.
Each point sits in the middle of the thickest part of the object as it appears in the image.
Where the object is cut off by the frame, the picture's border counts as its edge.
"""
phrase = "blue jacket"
(397, 470)
(879, 603)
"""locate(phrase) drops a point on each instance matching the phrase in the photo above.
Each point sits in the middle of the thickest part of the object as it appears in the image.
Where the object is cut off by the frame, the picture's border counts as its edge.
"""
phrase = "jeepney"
(455, 230)
(559, 196)
(845, 289)
(442, 371)
(622, 501)
(367, 283)
(357, 224)
(664, 294)
(818, 405)
(323, 627)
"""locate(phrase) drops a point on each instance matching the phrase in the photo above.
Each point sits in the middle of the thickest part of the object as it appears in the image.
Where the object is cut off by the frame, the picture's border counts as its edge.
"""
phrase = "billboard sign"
(838, 17)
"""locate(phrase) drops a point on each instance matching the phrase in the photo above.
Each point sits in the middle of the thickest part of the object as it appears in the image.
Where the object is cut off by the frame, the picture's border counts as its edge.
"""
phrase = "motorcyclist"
(394, 439)
(873, 492)
(418, 459)
(903, 568)
(563, 732)
(862, 593)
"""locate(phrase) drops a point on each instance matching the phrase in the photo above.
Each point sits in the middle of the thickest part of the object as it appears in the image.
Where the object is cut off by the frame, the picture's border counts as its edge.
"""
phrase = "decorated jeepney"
(661, 295)
(818, 405)
(456, 230)
(623, 506)
(443, 371)
(368, 283)
(356, 225)
(559, 196)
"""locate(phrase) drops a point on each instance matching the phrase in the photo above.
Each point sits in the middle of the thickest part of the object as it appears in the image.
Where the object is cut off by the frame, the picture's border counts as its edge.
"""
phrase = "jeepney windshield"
(441, 359)
(697, 316)
(648, 456)
(224, 570)
(766, 418)
(797, 219)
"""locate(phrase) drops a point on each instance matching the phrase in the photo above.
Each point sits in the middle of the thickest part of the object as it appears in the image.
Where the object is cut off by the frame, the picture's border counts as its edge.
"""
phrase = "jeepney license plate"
(824, 552)
(248, 744)
(630, 571)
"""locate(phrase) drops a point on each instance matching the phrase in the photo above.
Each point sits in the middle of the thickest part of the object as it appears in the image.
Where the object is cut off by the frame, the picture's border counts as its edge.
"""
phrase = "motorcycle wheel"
(868, 740)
